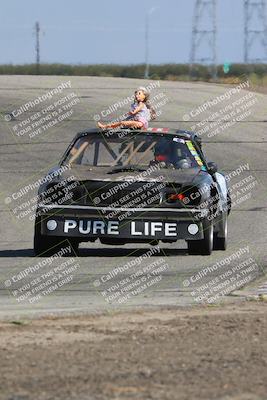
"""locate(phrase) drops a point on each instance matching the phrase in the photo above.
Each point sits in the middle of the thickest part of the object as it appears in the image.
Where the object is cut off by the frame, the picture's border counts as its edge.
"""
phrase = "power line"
(147, 27)
(37, 46)
(204, 35)
(255, 30)
(146, 76)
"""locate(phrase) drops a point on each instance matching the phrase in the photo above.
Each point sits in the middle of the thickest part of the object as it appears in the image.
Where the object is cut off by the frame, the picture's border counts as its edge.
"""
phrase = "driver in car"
(166, 154)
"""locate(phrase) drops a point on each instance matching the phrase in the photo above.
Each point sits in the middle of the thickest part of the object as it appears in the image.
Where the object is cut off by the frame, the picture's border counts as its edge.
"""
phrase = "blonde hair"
(146, 101)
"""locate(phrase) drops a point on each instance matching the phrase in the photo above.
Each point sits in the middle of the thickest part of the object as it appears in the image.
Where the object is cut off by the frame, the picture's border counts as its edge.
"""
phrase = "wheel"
(205, 245)
(229, 203)
(220, 242)
(46, 245)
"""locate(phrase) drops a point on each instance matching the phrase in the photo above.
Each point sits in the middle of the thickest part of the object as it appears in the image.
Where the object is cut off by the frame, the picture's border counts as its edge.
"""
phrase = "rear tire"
(205, 245)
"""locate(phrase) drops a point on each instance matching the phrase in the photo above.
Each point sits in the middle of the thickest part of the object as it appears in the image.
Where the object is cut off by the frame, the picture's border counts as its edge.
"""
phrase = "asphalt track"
(24, 160)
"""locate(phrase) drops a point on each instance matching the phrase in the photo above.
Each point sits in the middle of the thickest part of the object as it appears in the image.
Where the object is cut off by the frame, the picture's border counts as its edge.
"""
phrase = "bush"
(173, 72)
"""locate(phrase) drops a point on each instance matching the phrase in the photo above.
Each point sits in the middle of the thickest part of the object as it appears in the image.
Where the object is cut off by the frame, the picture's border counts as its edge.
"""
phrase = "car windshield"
(134, 151)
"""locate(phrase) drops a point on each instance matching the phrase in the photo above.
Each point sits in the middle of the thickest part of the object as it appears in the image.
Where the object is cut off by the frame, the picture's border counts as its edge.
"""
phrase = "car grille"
(141, 194)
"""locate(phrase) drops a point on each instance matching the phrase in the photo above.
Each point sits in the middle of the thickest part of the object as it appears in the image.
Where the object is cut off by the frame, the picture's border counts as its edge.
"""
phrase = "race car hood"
(105, 174)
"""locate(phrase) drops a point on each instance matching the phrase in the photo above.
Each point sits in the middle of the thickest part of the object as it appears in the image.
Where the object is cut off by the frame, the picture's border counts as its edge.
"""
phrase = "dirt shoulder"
(198, 353)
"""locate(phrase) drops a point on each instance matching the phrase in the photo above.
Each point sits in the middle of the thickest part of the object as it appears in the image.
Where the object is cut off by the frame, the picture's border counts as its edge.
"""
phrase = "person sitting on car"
(139, 115)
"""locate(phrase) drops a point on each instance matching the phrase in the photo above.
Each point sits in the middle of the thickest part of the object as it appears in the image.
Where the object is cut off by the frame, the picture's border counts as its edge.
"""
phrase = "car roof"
(155, 130)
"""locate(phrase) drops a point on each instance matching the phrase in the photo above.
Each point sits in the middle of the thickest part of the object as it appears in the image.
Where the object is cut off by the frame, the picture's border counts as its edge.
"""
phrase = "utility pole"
(146, 76)
(148, 13)
(255, 30)
(204, 35)
(37, 46)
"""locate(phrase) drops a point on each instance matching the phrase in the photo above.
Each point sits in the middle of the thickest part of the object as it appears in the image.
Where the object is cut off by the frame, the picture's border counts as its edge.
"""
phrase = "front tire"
(205, 245)
(220, 242)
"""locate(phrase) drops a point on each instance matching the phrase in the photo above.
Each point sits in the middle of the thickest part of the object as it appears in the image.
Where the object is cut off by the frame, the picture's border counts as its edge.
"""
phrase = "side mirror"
(212, 167)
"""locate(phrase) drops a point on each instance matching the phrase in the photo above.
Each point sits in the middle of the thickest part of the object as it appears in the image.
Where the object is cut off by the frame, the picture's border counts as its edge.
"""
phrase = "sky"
(112, 31)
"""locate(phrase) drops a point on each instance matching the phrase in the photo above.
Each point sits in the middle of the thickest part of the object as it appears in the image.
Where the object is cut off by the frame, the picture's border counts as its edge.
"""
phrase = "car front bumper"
(89, 222)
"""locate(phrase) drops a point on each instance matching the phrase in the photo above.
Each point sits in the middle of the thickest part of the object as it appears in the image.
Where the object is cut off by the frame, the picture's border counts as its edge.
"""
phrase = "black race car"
(132, 186)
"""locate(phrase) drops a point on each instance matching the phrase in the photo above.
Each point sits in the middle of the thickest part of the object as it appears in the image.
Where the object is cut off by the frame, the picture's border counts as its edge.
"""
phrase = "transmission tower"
(255, 30)
(37, 46)
(204, 35)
